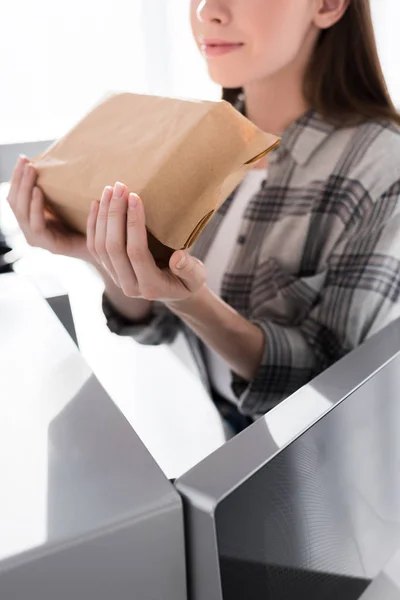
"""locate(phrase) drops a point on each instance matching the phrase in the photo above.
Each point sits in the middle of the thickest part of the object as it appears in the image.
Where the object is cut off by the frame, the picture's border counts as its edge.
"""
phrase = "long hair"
(344, 81)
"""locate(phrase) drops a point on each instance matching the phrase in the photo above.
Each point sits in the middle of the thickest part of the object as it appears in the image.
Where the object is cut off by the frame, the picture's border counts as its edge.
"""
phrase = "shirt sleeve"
(160, 328)
(360, 294)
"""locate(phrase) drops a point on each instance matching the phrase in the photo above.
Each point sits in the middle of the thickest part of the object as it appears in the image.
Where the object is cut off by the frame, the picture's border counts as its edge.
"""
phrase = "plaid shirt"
(317, 260)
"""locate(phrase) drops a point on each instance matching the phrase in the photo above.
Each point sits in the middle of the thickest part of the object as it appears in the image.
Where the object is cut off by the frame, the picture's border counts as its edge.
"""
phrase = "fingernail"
(119, 189)
(181, 263)
(107, 193)
(132, 201)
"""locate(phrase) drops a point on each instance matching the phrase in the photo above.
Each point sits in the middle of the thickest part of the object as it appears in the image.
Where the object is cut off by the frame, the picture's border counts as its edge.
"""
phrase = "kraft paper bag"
(183, 158)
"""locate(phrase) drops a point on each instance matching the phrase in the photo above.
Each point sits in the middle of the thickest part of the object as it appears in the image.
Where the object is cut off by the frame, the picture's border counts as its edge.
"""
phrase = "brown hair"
(344, 81)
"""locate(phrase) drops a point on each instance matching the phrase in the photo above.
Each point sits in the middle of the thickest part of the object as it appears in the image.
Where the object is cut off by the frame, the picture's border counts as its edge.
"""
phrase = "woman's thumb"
(189, 269)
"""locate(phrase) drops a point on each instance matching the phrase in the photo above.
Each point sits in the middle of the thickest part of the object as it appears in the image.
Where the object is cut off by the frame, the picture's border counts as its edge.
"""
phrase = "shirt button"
(241, 240)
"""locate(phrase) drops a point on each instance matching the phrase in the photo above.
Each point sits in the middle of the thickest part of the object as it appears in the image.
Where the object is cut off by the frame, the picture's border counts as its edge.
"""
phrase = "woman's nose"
(213, 11)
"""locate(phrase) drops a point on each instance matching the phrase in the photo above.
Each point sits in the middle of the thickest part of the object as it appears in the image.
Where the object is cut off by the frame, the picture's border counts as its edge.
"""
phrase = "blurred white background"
(60, 58)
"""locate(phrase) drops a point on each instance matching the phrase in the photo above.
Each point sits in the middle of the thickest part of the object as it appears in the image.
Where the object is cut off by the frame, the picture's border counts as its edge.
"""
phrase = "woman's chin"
(224, 79)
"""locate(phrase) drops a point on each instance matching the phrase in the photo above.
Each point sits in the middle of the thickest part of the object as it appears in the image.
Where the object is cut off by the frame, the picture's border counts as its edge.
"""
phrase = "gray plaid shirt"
(317, 260)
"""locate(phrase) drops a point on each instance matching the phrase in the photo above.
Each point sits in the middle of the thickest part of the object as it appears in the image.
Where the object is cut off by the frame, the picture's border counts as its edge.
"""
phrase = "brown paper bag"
(182, 157)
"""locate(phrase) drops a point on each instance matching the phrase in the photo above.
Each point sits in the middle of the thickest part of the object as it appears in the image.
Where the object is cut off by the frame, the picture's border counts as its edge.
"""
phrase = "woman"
(301, 264)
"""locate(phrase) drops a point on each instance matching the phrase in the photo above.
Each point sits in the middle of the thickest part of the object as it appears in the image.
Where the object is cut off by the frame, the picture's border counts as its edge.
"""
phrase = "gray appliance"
(85, 512)
(306, 502)
(387, 585)
(303, 504)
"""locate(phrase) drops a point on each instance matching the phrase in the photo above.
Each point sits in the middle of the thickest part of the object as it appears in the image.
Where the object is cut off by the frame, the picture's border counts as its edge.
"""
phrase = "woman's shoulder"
(380, 135)
(372, 155)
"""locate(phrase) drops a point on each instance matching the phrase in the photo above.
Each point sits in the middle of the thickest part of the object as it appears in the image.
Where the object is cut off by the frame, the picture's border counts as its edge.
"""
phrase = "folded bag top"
(183, 158)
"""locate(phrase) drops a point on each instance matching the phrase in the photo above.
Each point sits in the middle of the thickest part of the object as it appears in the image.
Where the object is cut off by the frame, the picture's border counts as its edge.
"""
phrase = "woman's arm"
(239, 342)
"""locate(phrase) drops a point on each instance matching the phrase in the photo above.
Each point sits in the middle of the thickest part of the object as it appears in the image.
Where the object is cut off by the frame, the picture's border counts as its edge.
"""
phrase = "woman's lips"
(218, 49)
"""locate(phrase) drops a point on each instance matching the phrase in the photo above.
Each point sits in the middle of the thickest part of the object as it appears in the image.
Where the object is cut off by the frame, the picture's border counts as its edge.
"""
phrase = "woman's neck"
(275, 102)
(274, 105)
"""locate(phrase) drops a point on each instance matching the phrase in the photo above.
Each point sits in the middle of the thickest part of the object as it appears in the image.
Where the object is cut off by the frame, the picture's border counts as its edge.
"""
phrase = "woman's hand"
(117, 240)
(40, 227)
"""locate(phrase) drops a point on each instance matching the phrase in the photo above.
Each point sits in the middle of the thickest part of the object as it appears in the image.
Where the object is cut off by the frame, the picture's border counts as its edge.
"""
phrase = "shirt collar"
(303, 138)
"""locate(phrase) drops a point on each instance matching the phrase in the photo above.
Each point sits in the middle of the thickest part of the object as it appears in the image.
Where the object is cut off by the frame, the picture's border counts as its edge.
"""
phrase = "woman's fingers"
(16, 181)
(153, 283)
(37, 220)
(24, 196)
(27, 203)
(149, 276)
(91, 229)
(189, 269)
(100, 235)
(116, 242)
(19, 196)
